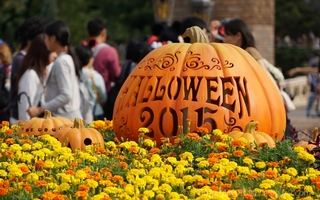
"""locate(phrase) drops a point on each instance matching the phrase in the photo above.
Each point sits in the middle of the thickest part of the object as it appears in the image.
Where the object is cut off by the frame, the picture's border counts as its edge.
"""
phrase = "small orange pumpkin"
(252, 136)
(79, 136)
(46, 125)
(310, 145)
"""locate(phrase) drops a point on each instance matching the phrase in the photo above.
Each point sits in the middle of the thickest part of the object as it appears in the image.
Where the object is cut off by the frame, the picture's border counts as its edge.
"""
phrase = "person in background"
(214, 29)
(106, 59)
(28, 30)
(313, 80)
(32, 75)
(93, 81)
(62, 95)
(237, 32)
(5, 66)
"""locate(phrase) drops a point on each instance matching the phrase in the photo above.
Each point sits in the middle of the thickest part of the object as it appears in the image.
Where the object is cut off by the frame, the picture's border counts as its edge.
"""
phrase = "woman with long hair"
(62, 95)
(32, 75)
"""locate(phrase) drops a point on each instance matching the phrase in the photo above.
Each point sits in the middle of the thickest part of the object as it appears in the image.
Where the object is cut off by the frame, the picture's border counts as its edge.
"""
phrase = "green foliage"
(125, 19)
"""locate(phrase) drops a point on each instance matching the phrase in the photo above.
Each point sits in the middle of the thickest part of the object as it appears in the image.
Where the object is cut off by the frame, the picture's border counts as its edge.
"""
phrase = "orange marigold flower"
(215, 175)
(294, 181)
(87, 169)
(164, 140)
(5, 123)
(154, 150)
(203, 182)
(226, 186)
(237, 143)
(117, 178)
(4, 184)
(176, 140)
(193, 136)
(123, 165)
(248, 196)
(70, 171)
(9, 154)
(3, 191)
(40, 164)
(41, 183)
(202, 130)
(121, 157)
(238, 153)
(214, 155)
(106, 198)
(270, 194)
(24, 169)
(73, 164)
(270, 174)
(101, 150)
(262, 144)
(213, 161)
(116, 140)
(83, 188)
(10, 141)
(273, 164)
(133, 149)
(9, 131)
(214, 188)
(26, 186)
(225, 154)
(222, 148)
(81, 194)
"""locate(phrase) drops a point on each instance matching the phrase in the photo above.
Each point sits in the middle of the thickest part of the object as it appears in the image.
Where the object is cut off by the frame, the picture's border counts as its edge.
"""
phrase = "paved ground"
(301, 122)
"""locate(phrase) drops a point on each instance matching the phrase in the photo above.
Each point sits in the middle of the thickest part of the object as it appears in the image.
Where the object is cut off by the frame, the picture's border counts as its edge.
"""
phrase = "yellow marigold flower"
(26, 147)
(308, 198)
(80, 174)
(49, 164)
(292, 171)
(233, 194)
(269, 181)
(129, 189)
(243, 170)
(197, 177)
(37, 145)
(298, 149)
(143, 130)
(244, 140)
(111, 145)
(92, 183)
(3, 146)
(271, 194)
(63, 187)
(148, 143)
(301, 178)
(164, 188)
(172, 160)
(187, 178)
(15, 172)
(248, 161)
(98, 197)
(160, 197)
(286, 196)
(149, 194)
(174, 195)
(32, 177)
(285, 178)
(203, 164)
(217, 132)
(225, 138)
(15, 147)
(309, 189)
(167, 168)
(260, 165)
(3, 173)
(98, 124)
(265, 186)
(186, 156)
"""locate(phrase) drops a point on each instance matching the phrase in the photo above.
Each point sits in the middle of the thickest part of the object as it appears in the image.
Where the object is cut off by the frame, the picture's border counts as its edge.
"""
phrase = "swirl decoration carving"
(124, 130)
(166, 62)
(193, 61)
(230, 123)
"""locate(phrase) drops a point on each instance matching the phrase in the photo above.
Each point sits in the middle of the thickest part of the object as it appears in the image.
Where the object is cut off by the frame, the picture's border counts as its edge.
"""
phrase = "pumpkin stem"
(195, 34)
(47, 114)
(251, 127)
(78, 123)
(315, 135)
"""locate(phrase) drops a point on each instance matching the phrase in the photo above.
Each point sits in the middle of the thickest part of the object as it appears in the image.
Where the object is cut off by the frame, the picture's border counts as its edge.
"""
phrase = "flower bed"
(197, 166)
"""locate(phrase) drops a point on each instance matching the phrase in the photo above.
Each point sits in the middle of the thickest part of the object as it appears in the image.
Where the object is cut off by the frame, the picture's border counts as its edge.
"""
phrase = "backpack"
(4, 93)
(112, 95)
(85, 107)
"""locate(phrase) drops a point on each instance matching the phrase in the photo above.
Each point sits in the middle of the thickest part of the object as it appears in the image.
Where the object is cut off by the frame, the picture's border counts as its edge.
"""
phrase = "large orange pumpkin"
(46, 125)
(78, 137)
(213, 85)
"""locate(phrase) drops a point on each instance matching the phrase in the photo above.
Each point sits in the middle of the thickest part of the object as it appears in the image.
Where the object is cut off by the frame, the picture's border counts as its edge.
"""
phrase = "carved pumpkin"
(79, 136)
(213, 85)
(46, 125)
(253, 136)
(313, 143)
